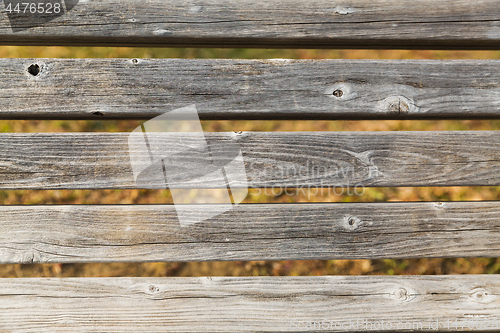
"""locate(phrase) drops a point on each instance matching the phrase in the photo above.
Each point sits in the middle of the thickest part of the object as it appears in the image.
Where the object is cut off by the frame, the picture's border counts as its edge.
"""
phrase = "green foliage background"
(310, 267)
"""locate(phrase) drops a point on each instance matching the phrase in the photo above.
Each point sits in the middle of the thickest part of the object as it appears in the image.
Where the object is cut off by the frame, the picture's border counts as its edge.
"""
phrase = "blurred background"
(269, 268)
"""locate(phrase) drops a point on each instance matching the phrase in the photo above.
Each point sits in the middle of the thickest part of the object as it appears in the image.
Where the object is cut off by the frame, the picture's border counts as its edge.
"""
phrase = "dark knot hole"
(338, 93)
(34, 69)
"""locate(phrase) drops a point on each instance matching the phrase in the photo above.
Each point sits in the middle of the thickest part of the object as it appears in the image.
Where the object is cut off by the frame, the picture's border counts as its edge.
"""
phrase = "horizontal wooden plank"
(249, 89)
(258, 23)
(251, 304)
(148, 233)
(272, 160)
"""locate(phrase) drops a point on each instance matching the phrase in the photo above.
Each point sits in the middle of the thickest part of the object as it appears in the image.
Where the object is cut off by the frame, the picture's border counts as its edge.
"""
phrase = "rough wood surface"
(142, 233)
(259, 23)
(249, 89)
(251, 304)
(276, 160)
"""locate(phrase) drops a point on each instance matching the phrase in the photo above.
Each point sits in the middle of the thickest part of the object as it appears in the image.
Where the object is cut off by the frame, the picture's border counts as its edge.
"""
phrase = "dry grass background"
(310, 267)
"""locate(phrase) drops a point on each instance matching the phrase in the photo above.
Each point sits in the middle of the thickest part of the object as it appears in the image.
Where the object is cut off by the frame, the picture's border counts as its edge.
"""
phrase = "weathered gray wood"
(274, 160)
(148, 233)
(249, 89)
(260, 23)
(251, 304)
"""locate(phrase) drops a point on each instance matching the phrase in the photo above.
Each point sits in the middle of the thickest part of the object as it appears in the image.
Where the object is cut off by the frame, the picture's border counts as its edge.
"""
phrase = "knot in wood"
(338, 93)
(341, 91)
(402, 294)
(439, 205)
(351, 222)
(153, 289)
(397, 105)
(34, 69)
(481, 295)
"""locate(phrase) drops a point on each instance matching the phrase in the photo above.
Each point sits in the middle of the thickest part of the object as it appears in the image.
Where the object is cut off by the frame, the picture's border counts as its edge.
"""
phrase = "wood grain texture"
(149, 233)
(258, 23)
(277, 160)
(249, 89)
(248, 304)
